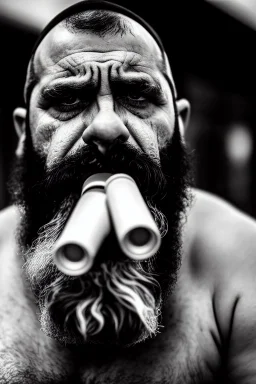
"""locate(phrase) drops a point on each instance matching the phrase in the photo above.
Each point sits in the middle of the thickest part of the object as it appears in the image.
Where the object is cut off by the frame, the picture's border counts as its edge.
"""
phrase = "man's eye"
(70, 104)
(67, 107)
(69, 101)
(136, 97)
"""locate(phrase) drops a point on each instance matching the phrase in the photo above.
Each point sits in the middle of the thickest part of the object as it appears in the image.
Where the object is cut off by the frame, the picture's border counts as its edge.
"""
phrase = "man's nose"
(105, 129)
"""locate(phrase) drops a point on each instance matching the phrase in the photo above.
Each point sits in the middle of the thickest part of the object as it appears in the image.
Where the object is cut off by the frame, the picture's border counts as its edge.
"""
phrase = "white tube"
(85, 230)
(136, 230)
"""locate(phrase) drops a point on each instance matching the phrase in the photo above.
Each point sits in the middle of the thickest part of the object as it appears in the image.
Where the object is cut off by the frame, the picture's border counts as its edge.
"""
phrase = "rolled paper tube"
(136, 230)
(85, 230)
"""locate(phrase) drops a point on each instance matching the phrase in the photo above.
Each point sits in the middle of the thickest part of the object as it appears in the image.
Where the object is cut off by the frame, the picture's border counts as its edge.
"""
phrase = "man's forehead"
(58, 41)
(135, 45)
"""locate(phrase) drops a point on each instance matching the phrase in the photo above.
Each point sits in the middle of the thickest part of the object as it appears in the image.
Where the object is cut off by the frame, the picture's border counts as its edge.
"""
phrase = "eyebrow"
(61, 88)
(151, 87)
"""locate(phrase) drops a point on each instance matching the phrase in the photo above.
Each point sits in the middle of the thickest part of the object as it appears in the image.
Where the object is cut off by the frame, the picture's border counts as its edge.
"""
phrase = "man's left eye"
(136, 97)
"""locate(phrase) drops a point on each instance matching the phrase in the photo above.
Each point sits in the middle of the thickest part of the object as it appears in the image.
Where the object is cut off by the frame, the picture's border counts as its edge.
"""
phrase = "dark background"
(214, 66)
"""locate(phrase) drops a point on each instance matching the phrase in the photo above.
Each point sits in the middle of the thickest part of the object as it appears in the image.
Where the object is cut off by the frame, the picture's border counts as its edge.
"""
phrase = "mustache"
(69, 174)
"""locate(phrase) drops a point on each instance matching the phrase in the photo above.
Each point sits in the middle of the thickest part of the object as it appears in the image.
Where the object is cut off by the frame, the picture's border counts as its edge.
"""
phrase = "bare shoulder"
(9, 218)
(222, 235)
(207, 206)
(222, 259)
(222, 251)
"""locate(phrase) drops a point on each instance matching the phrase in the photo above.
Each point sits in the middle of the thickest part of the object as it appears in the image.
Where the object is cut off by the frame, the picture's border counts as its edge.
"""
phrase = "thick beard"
(118, 301)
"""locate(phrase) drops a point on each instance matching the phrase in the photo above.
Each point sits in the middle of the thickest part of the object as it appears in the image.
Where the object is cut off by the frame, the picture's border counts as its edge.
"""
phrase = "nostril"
(118, 140)
(121, 139)
(103, 148)
(123, 136)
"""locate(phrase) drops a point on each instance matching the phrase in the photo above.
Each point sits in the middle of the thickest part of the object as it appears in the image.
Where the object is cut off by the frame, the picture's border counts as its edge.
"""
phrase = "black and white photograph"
(128, 192)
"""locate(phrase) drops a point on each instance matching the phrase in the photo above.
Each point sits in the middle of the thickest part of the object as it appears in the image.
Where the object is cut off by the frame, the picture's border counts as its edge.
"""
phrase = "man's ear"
(19, 120)
(183, 108)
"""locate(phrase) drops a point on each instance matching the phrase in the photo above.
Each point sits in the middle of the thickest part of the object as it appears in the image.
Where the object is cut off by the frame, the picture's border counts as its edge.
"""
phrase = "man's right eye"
(64, 100)
(66, 107)
(70, 101)
(72, 104)
(67, 102)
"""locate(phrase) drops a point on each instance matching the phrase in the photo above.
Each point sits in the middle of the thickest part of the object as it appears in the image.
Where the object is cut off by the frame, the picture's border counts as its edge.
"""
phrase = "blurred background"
(210, 45)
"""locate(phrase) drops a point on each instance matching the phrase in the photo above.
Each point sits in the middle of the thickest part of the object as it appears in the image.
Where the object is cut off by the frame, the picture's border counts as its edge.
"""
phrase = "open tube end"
(140, 243)
(72, 259)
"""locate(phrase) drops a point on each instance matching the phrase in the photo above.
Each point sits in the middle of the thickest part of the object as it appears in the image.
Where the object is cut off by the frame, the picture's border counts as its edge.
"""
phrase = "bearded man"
(100, 97)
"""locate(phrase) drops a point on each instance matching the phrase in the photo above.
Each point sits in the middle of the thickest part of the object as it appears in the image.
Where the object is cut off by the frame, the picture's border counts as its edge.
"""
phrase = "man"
(100, 97)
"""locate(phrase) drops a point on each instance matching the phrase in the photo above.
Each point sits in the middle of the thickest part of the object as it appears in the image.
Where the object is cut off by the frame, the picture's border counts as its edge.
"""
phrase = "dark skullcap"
(94, 5)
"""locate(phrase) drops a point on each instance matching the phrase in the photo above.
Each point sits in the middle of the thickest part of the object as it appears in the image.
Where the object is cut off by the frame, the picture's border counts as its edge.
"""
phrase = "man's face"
(99, 88)
(91, 92)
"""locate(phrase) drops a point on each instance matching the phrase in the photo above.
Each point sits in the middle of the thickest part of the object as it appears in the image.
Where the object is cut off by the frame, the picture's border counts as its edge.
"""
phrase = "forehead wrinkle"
(73, 60)
(75, 64)
(58, 42)
(128, 65)
(77, 67)
(115, 75)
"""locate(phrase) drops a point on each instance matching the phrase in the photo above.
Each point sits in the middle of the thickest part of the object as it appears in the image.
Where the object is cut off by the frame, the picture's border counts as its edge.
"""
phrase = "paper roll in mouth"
(85, 230)
(106, 199)
(136, 230)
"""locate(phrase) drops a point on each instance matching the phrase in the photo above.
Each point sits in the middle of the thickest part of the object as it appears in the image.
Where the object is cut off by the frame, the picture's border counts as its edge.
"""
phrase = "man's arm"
(242, 348)
(241, 363)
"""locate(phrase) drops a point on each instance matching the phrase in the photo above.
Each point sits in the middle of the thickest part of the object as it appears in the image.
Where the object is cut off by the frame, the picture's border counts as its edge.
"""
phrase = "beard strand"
(118, 296)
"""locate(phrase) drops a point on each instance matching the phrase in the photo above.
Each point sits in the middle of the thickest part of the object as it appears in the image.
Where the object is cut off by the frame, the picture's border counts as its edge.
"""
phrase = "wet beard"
(118, 301)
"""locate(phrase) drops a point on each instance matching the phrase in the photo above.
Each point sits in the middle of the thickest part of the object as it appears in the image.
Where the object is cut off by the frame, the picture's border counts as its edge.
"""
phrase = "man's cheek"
(163, 128)
(42, 132)
(66, 139)
(145, 137)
